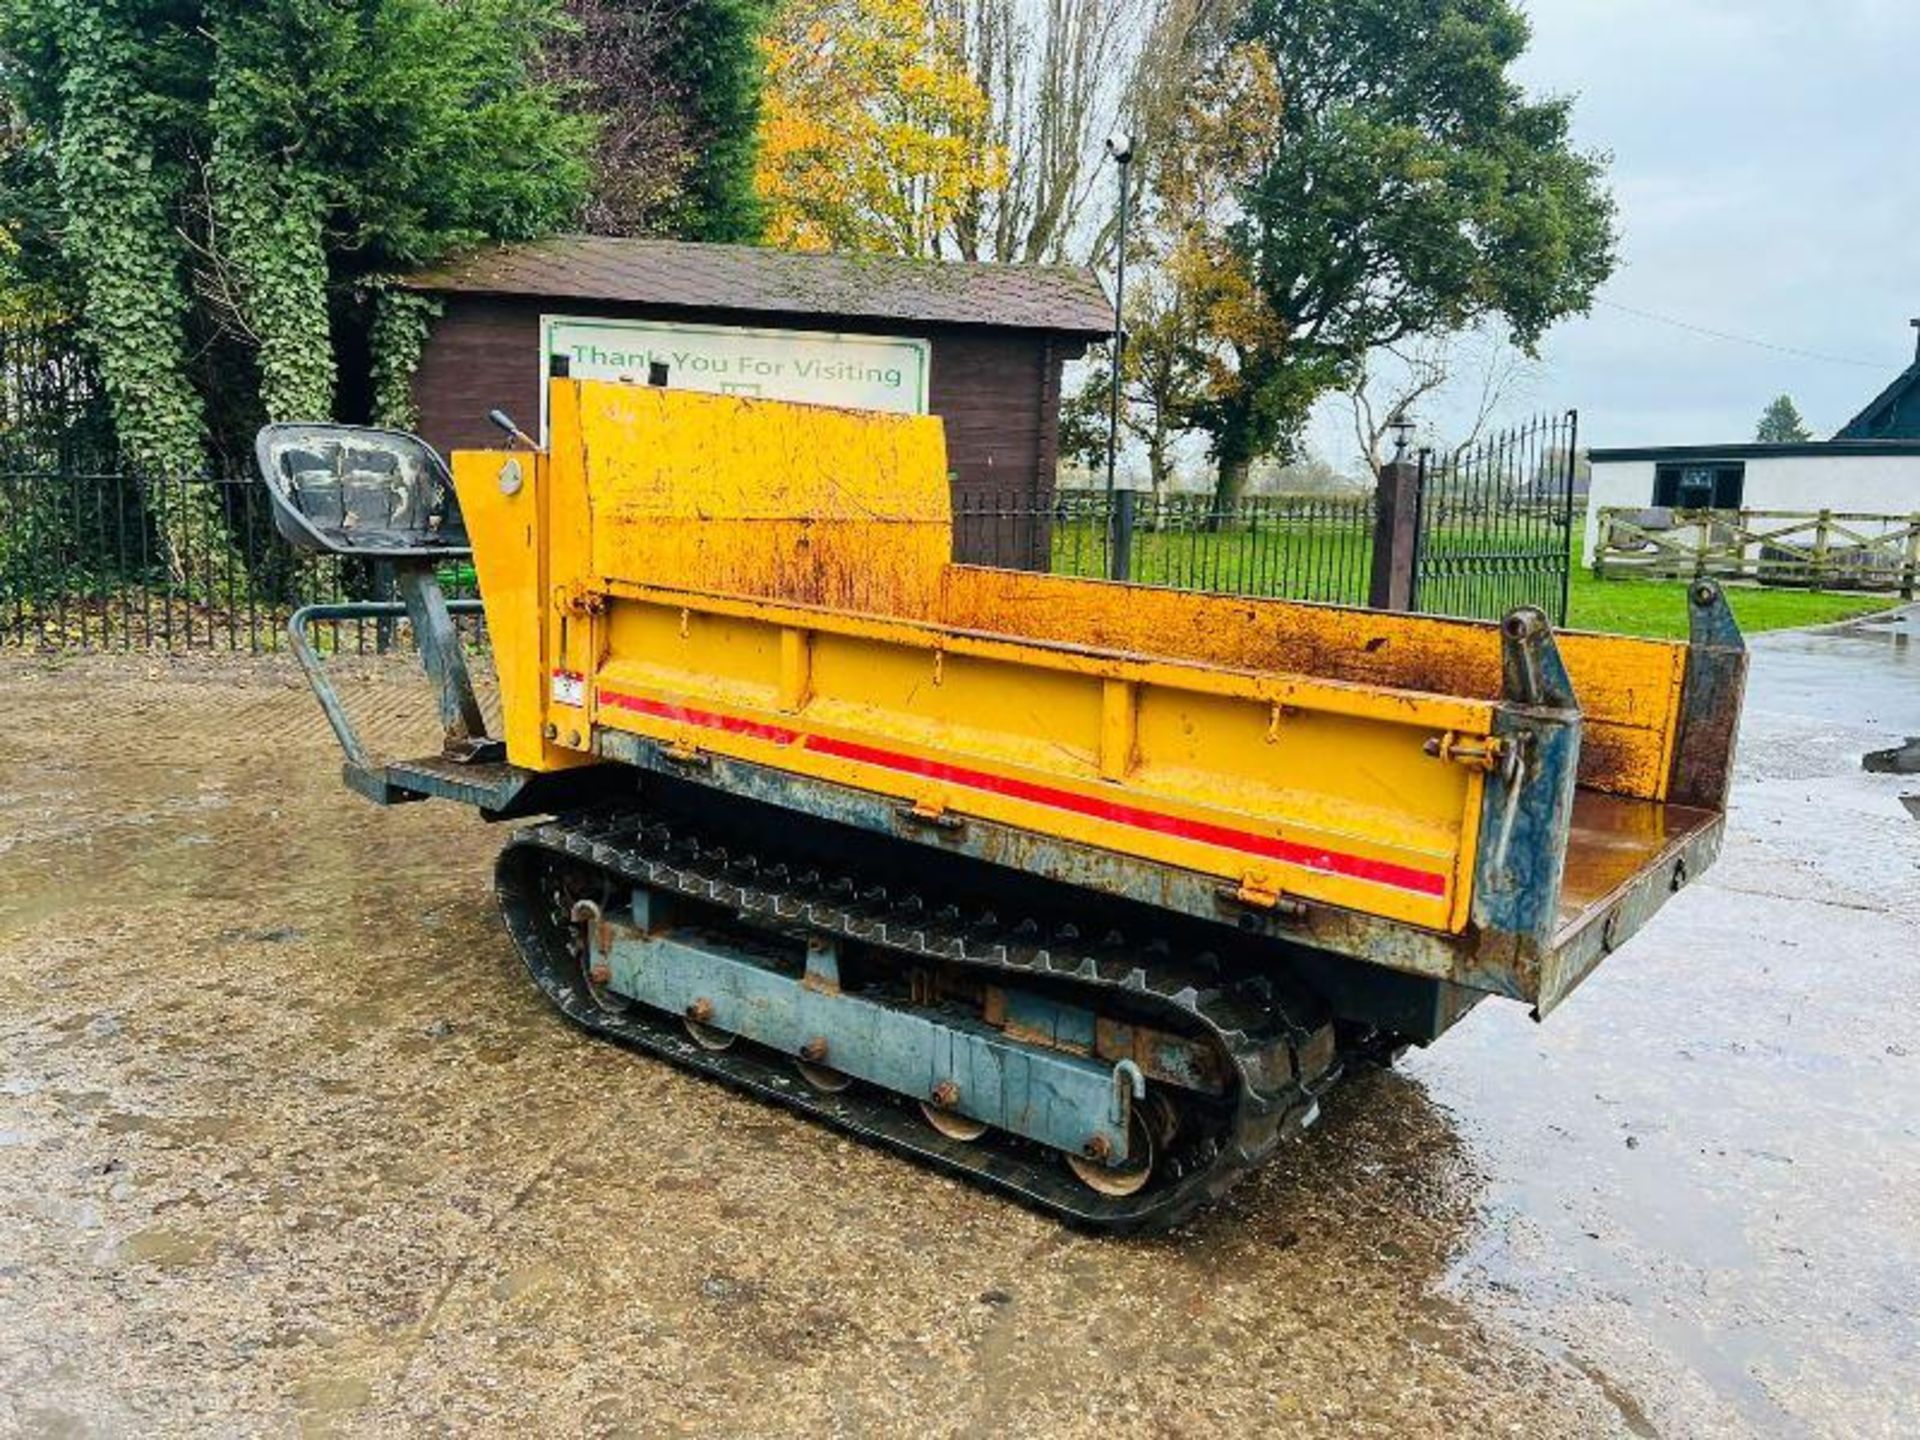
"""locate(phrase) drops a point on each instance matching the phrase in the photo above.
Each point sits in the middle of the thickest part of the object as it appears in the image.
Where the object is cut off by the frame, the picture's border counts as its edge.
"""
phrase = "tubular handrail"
(309, 658)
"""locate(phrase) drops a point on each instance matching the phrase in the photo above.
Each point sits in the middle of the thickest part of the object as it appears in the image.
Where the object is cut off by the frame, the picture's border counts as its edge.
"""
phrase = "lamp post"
(1119, 503)
(1402, 426)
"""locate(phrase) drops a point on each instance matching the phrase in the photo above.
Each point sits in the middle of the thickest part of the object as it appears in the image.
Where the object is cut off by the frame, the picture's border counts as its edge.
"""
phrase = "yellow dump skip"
(769, 583)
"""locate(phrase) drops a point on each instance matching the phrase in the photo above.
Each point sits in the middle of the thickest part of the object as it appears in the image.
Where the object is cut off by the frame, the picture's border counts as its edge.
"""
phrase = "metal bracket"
(476, 745)
(1129, 1085)
(939, 818)
(1531, 669)
(1475, 754)
(445, 661)
(1255, 894)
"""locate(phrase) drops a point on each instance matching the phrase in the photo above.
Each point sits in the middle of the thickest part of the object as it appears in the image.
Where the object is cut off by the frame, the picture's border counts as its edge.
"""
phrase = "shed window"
(1700, 487)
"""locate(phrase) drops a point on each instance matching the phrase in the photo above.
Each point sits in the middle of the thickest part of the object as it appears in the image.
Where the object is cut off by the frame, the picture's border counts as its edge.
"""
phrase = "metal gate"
(1495, 526)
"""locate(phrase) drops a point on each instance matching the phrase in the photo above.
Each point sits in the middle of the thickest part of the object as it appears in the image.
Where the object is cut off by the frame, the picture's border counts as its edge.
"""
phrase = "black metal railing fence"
(53, 409)
(1299, 547)
(95, 557)
(106, 560)
(1495, 526)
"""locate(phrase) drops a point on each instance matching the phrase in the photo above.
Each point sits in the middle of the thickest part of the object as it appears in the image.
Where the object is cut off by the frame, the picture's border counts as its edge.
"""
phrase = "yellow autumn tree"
(873, 133)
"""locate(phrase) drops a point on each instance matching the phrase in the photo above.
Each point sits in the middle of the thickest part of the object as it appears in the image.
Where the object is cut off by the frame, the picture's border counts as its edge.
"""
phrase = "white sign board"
(864, 372)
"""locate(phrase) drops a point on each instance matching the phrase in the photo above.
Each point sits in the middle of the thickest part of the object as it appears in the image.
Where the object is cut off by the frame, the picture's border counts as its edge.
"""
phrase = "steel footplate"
(1282, 1063)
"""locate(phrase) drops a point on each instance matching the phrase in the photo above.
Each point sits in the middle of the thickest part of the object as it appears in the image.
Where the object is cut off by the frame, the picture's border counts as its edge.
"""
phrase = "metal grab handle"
(309, 658)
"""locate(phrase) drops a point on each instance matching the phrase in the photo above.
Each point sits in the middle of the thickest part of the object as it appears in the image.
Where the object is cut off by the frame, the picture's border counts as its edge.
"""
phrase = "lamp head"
(1120, 146)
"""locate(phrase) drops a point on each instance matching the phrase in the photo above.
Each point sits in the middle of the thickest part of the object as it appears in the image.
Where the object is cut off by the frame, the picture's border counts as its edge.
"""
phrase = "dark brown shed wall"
(997, 390)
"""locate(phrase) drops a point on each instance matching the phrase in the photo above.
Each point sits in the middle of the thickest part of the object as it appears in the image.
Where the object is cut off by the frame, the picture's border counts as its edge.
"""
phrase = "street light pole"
(1119, 503)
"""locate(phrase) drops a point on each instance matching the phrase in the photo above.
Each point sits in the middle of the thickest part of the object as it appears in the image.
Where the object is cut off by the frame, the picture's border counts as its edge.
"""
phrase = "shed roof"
(1063, 299)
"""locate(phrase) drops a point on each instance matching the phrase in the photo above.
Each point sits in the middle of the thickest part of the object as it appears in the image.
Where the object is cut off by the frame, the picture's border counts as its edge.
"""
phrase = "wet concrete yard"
(288, 1144)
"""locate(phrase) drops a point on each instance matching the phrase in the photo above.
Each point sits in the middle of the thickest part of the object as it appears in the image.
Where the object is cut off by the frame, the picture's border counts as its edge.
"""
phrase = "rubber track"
(1245, 1017)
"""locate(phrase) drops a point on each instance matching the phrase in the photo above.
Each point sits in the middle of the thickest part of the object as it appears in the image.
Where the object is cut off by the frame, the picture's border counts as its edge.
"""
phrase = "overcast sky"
(1767, 169)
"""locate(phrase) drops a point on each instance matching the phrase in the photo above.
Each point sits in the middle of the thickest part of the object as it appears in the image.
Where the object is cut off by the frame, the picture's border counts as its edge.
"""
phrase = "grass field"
(1330, 561)
(1659, 608)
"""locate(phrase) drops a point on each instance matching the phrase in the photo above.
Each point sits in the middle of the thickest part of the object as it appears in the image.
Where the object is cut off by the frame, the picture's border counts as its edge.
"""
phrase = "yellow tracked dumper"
(1084, 891)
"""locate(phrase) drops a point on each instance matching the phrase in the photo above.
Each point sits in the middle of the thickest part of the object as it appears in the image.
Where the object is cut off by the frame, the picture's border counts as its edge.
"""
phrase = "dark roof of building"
(1883, 410)
(1064, 299)
(1822, 449)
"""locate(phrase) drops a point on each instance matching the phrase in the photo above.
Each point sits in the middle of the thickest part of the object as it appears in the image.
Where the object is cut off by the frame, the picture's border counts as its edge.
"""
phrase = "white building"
(1871, 467)
(1855, 477)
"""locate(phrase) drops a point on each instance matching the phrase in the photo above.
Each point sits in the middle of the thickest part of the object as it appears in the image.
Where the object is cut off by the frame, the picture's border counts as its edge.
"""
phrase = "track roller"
(1119, 1181)
(952, 1124)
(706, 1036)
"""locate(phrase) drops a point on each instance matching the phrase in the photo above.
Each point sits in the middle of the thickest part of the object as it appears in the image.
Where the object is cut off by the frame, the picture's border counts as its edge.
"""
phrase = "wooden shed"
(979, 345)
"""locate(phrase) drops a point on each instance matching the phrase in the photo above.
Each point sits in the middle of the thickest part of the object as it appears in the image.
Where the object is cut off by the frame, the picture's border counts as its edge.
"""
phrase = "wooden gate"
(1821, 550)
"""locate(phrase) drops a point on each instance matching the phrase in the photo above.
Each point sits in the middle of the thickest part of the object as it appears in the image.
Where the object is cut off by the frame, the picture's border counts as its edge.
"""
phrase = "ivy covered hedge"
(207, 185)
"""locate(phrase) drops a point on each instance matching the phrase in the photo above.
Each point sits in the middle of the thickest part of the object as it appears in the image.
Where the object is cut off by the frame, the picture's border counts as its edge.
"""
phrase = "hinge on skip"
(1254, 893)
(577, 599)
(933, 813)
(1475, 754)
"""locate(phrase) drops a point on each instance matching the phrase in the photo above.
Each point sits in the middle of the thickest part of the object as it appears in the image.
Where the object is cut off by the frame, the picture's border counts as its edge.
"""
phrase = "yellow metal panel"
(1629, 688)
(1342, 697)
(575, 643)
(724, 494)
(721, 659)
(504, 524)
(1216, 776)
(1007, 713)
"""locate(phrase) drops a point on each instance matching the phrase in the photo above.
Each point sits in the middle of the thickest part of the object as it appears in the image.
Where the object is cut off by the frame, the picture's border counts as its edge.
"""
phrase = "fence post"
(1396, 536)
(1907, 571)
(1122, 535)
(1822, 546)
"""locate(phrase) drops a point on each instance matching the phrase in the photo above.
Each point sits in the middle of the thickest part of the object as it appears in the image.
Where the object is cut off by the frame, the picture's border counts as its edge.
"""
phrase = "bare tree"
(1478, 372)
(1062, 75)
(1383, 395)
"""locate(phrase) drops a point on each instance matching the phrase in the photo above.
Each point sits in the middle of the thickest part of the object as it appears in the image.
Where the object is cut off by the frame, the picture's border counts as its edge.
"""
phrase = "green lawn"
(1329, 560)
(1659, 607)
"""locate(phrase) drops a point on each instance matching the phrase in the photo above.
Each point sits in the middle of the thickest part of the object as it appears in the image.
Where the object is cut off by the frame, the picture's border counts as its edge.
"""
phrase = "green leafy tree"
(104, 88)
(1194, 319)
(716, 68)
(219, 178)
(1781, 424)
(1414, 188)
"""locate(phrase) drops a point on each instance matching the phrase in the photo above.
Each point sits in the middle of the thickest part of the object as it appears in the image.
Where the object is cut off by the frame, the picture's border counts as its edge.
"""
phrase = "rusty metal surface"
(725, 495)
(1531, 792)
(1612, 841)
(1710, 701)
(1622, 868)
(1628, 688)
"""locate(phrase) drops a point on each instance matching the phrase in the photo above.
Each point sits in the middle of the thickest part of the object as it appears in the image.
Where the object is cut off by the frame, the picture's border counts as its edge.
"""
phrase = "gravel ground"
(287, 1144)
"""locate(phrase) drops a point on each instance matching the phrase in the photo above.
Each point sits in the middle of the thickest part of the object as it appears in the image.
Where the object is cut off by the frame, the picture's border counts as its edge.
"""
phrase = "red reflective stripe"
(1332, 862)
(777, 734)
(1311, 857)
